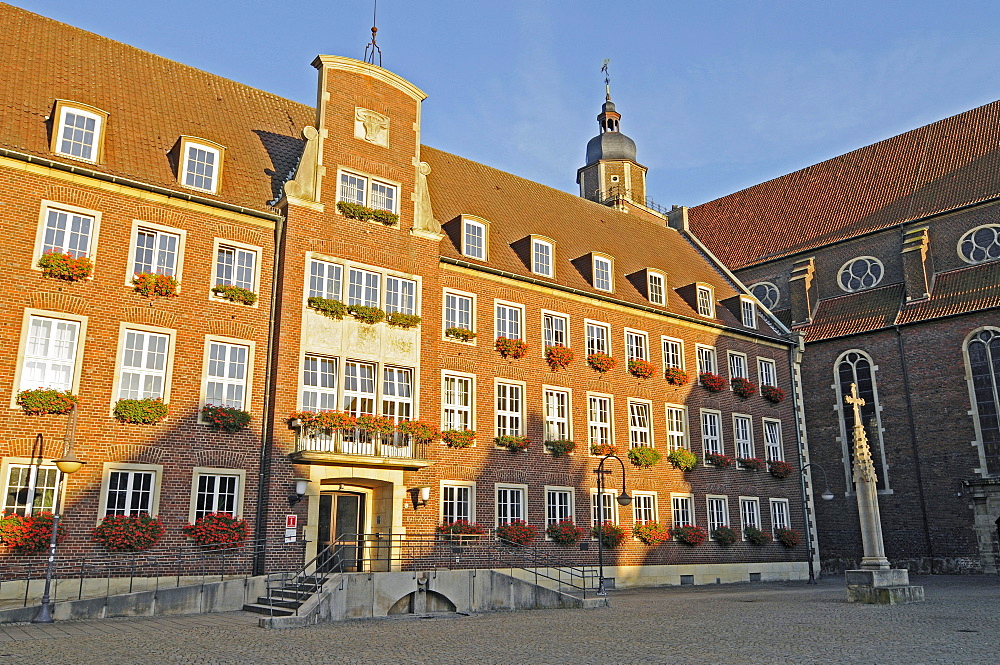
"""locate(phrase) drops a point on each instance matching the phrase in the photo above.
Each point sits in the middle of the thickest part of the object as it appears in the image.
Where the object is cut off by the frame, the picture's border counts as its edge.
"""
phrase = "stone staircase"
(286, 594)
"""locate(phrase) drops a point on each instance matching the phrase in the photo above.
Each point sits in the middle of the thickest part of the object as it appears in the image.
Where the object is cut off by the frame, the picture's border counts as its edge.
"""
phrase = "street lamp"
(623, 500)
(827, 495)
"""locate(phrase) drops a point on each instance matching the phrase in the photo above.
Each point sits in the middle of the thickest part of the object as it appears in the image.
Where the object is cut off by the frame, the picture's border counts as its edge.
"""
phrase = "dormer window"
(79, 131)
(656, 287)
(201, 164)
(541, 257)
(748, 310)
(602, 273)
(474, 238)
(706, 301)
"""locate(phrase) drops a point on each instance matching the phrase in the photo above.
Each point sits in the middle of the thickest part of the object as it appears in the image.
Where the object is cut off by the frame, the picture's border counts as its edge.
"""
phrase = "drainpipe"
(808, 505)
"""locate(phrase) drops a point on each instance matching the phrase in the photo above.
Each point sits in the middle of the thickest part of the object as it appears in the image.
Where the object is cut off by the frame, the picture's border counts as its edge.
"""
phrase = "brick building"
(387, 275)
(883, 259)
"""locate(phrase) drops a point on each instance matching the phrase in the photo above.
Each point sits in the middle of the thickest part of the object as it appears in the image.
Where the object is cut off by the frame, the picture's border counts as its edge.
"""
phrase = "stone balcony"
(358, 448)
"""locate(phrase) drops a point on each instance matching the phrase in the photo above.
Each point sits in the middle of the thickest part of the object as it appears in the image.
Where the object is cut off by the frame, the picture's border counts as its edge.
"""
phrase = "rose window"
(861, 273)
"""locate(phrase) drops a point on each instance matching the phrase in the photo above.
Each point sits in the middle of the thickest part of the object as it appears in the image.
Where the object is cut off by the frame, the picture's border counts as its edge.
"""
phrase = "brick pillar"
(917, 268)
(802, 291)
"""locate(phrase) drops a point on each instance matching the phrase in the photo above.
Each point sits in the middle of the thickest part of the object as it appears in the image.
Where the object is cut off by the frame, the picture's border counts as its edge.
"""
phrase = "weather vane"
(607, 79)
(372, 48)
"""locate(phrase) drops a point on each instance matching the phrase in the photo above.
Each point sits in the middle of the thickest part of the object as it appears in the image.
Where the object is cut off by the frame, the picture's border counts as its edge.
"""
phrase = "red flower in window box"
(45, 401)
(743, 387)
(565, 532)
(611, 535)
(651, 533)
(217, 531)
(713, 383)
(65, 266)
(724, 535)
(558, 357)
(511, 349)
(691, 535)
(641, 369)
(772, 394)
(458, 438)
(128, 533)
(225, 418)
(375, 424)
(518, 533)
(514, 444)
(153, 285)
(779, 469)
(417, 430)
(601, 362)
(675, 376)
(752, 463)
(755, 536)
(460, 530)
(602, 449)
(721, 461)
(787, 537)
(29, 534)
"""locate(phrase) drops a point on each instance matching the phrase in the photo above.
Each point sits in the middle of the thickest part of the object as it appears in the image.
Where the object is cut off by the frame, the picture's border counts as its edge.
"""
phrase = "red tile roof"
(957, 292)
(855, 313)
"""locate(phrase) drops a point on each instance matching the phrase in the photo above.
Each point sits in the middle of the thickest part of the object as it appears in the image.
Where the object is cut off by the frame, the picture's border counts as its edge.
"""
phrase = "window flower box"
(461, 334)
(155, 285)
(675, 376)
(514, 444)
(235, 294)
(644, 456)
(225, 418)
(417, 430)
(147, 411)
(558, 357)
(651, 533)
(560, 447)
(65, 266)
(217, 531)
(365, 314)
(400, 320)
(601, 362)
(755, 536)
(641, 369)
(721, 461)
(518, 533)
(366, 214)
(128, 533)
(375, 425)
(461, 530)
(724, 535)
(713, 383)
(752, 463)
(611, 535)
(779, 469)
(683, 459)
(772, 394)
(511, 349)
(29, 534)
(328, 307)
(458, 438)
(787, 537)
(690, 535)
(46, 401)
(565, 532)
(743, 387)
(328, 421)
(603, 449)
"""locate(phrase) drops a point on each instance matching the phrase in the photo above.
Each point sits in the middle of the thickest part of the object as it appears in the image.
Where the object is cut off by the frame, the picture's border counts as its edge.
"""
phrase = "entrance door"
(341, 524)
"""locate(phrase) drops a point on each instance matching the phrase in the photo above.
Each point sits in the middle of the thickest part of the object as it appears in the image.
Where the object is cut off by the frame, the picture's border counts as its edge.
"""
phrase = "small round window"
(766, 293)
(980, 244)
(861, 273)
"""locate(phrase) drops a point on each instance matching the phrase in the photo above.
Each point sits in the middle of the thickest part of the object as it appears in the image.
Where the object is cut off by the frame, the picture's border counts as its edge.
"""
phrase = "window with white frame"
(779, 515)
(227, 374)
(510, 502)
(706, 301)
(767, 372)
(711, 432)
(640, 429)
(541, 257)
(457, 503)
(743, 436)
(772, 440)
(67, 233)
(554, 329)
(673, 353)
(597, 338)
(30, 488)
(718, 512)
(750, 512)
(130, 492)
(217, 493)
(508, 321)
(508, 408)
(599, 420)
(556, 414)
(738, 366)
(201, 166)
(50, 353)
(558, 505)
(457, 311)
(359, 388)
(457, 403)
(363, 287)
(602, 273)
(636, 345)
(397, 393)
(143, 365)
(79, 133)
(607, 511)
(644, 507)
(655, 288)
(319, 383)
(155, 252)
(400, 295)
(748, 310)
(235, 266)
(325, 279)
(383, 196)
(706, 359)
(676, 427)
(682, 507)
(355, 188)
(474, 239)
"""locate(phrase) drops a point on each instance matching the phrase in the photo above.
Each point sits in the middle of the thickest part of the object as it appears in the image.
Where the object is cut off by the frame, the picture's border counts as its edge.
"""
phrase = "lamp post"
(827, 495)
(623, 500)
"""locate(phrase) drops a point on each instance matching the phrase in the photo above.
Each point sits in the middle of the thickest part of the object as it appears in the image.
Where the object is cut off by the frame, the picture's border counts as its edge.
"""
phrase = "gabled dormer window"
(79, 131)
(201, 164)
(748, 311)
(601, 268)
(656, 287)
(542, 256)
(706, 301)
(474, 238)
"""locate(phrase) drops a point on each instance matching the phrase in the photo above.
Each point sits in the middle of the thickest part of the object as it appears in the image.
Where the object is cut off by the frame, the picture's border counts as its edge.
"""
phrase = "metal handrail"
(301, 577)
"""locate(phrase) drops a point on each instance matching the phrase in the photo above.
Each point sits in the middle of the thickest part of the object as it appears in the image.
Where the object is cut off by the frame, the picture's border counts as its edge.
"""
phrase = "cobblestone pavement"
(745, 624)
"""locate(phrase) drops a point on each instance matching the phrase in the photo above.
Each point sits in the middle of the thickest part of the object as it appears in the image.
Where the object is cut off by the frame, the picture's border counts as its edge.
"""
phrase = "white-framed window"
(555, 329)
(599, 420)
(706, 359)
(202, 165)
(607, 510)
(656, 288)
(673, 353)
(772, 440)
(779, 515)
(711, 432)
(718, 512)
(509, 408)
(458, 502)
(677, 435)
(156, 251)
(748, 312)
(597, 338)
(363, 287)
(556, 414)
(236, 266)
(510, 503)
(767, 372)
(359, 388)
(325, 279)
(143, 365)
(644, 507)
(743, 435)
(602, 273)
(860, 273)
(319, 383)
(559, 505)
(67, 231)
(216, 493)
(682, 509)
(738, 365)
(371, 192)
(473, 239)
(636, 345)
(457, 400)
(50, 353)
(129, 492)
(508, 321)
(400, 295)
(227, 374)
(766, 293)
(640, 426)
(706, 301)
(541, 257)
(29, 488)
(353, 188)
(459, 311)
(397, 393)
(79, 133)
(749, 512)
(383, 196)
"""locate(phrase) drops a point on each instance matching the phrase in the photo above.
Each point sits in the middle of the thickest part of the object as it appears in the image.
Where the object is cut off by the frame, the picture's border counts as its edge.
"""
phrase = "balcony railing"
(359, 443)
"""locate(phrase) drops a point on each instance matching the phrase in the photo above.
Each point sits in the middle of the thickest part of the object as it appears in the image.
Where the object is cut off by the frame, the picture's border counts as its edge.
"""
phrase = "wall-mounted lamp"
(420, 495)
(301, 485)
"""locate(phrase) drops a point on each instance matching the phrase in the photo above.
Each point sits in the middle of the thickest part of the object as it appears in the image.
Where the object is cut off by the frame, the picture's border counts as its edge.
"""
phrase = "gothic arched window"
(983, 358)
(856, 366)
(980, 244)
(861, 273)
(766, 292)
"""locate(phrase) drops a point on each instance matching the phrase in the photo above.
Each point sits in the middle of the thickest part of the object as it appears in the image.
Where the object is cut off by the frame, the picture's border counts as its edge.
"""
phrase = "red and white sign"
(291, 521)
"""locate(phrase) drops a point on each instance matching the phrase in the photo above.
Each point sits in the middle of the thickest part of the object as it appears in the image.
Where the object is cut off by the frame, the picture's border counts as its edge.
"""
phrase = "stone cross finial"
(864, 468)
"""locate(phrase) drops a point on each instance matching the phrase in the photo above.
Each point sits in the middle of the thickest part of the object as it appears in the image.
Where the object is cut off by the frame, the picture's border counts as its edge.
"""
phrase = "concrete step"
(278, 602)
(258, 608)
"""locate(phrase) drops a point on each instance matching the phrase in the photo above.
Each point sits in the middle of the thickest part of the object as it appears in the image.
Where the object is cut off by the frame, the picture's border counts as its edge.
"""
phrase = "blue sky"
(718, 95)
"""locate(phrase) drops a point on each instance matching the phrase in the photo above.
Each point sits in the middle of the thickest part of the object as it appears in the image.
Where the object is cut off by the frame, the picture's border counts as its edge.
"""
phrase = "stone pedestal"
(882, 587)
